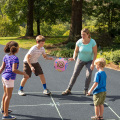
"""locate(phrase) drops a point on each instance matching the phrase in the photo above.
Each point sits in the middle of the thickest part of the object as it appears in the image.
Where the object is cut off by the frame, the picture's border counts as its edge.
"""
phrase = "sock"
(21, 88)
(44, 86)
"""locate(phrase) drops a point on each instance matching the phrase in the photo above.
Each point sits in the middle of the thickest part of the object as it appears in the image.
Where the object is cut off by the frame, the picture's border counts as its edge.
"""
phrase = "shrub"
(116, 57)
(112, 56)
(70, 45)
(103, 39)
(53, 53)
(66, 33)
(63, 53)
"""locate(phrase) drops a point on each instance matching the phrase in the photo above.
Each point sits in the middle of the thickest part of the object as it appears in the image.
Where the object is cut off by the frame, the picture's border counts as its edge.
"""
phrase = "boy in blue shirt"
(99, 89)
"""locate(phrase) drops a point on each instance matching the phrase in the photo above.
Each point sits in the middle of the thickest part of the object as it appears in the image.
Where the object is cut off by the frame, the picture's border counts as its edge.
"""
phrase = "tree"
(29, 31)
(17, 10)
(50, 11)
(76, 20)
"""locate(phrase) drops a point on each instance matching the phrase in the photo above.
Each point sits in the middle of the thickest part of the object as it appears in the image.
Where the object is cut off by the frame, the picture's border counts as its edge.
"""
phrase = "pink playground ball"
(60, 64)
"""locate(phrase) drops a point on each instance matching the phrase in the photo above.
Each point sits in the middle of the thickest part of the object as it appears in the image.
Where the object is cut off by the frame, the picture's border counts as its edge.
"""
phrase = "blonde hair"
(86, 30)
(40, 38)
(100, 62)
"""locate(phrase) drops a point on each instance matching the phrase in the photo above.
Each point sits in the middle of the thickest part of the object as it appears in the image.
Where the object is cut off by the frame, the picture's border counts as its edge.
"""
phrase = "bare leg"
(97, 111)
(7, 100)
(42, 78)
(101, 110)
(23, 82)
(3, 99)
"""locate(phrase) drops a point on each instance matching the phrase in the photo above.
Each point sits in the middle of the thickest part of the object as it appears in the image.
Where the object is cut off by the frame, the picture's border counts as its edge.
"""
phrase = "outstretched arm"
(75, 53)
(47, 58)
(15, 70)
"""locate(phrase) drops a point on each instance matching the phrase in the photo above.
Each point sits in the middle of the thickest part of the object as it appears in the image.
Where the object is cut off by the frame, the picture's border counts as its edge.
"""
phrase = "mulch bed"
(113, 66)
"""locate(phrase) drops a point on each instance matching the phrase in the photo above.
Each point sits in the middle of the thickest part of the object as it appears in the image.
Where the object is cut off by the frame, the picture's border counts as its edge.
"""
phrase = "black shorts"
(27, 69)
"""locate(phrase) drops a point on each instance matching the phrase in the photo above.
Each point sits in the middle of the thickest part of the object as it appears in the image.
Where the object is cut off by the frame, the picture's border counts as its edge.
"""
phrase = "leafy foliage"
(63, 53)
(53, 30)
(70, 45)
(7, 28)
(16, 10)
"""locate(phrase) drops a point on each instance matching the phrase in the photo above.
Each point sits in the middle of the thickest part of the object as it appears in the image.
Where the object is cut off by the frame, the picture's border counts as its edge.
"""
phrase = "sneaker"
(21, 92)
(9, 117)
(9, 111)
(66, 92)
(46, 92)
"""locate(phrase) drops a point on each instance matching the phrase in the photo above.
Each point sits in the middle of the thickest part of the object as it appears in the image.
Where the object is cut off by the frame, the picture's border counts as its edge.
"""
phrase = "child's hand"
(51, 58)
(71, 59)
(88, 93)
(33, 69)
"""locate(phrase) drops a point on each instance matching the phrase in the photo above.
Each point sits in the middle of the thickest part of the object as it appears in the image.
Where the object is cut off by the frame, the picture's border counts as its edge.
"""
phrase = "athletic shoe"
(21, 92)
(66, 92)
(46, 92)
(9, 111)
(9, 117)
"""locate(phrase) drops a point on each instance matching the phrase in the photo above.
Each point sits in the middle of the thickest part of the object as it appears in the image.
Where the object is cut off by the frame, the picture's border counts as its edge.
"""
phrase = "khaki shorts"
(99, 98)
(27, 69)
(8, 83)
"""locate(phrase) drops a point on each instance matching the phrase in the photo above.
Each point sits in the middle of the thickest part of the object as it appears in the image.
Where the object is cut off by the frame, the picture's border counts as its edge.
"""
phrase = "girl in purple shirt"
(10, 66)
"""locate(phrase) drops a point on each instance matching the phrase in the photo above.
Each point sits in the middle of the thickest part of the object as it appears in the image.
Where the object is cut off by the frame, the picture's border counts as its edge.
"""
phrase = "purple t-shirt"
(9, 61)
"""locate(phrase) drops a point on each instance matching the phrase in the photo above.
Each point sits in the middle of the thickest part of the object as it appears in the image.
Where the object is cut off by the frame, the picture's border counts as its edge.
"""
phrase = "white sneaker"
(20, 92)
(46, 92)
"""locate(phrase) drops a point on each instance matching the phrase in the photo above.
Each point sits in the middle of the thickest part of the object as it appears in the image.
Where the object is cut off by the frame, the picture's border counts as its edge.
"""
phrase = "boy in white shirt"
(31, 64)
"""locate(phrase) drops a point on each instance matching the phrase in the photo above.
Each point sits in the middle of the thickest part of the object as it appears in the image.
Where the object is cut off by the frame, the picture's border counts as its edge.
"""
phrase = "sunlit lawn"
(28, 43)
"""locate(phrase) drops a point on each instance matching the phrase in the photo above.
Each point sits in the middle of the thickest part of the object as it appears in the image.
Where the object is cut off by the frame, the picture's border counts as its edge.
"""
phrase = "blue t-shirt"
(100, 78)
(9, 61)
(86, 50)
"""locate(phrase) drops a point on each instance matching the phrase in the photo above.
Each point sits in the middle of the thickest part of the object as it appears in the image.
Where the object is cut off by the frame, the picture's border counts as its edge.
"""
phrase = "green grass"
(28, 43)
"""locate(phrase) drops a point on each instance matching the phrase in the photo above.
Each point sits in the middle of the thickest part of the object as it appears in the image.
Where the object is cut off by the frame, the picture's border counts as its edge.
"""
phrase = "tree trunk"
(76, 20)
(38, 27)
(29, 31)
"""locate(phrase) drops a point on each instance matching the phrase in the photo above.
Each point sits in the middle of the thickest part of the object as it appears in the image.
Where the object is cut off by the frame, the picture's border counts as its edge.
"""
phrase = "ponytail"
(13, 49)
(11, 46)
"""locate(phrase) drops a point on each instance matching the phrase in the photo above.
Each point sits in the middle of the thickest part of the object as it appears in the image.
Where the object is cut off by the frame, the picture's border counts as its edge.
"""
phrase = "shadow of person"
(73, 97)
(30, 117)
(113, 97)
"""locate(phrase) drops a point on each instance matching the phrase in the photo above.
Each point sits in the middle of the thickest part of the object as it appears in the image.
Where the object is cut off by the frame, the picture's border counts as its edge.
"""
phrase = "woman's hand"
(92, 67)
(71, 59)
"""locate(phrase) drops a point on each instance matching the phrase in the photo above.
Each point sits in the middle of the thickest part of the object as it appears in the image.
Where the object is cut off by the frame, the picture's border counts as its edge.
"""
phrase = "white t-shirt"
(35, 54)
